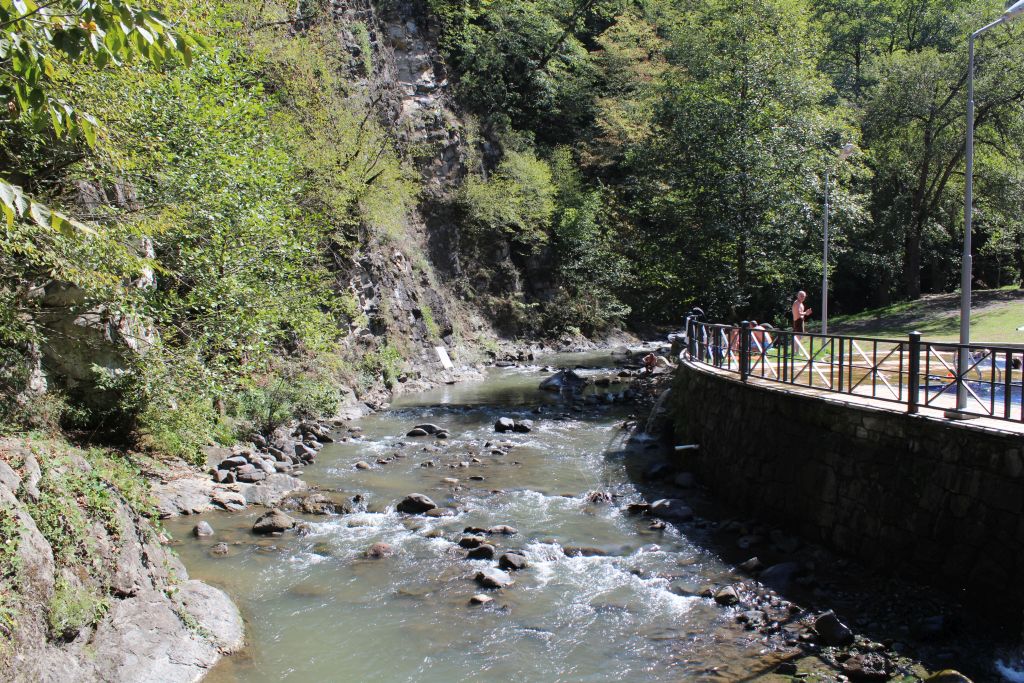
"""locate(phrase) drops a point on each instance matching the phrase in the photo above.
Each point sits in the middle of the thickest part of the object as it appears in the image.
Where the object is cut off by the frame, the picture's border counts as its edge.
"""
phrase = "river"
(316, 609)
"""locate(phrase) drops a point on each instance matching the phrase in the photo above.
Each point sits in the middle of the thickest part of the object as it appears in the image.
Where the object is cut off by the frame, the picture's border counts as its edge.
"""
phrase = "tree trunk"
(912, 261)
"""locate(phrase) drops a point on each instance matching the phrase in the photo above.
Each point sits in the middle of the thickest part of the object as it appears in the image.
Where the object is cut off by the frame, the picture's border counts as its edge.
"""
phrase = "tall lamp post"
(1012, 12)
(844, 153)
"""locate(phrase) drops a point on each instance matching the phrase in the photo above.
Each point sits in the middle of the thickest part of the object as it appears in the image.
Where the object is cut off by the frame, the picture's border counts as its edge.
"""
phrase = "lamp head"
(1014, 11)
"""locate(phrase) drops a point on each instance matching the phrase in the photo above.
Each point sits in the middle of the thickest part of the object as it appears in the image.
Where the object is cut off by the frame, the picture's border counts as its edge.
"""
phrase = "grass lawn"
(995, 316)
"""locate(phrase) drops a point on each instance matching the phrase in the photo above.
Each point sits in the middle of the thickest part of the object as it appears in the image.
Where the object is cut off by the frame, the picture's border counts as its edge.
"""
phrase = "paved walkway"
(934, 412)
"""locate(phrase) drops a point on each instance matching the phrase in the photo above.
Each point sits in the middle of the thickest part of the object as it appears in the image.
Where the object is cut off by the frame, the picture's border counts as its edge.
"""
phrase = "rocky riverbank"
(88, 591)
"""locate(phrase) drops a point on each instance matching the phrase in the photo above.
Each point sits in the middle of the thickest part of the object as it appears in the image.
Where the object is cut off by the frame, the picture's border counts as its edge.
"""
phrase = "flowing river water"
(318, 610)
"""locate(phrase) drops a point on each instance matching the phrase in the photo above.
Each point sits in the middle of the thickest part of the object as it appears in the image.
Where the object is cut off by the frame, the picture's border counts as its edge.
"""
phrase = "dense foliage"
(705, 130)
(216, 169)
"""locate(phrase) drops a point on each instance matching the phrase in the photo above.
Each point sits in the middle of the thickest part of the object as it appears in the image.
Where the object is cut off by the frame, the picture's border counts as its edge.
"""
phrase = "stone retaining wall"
(937, 501)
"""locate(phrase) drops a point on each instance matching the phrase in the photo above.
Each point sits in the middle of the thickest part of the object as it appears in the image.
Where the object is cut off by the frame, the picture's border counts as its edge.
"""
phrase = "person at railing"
(800, 314)
(760, 340)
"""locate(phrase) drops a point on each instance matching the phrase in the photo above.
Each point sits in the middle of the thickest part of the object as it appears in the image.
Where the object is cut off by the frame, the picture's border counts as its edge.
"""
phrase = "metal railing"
(913, 372)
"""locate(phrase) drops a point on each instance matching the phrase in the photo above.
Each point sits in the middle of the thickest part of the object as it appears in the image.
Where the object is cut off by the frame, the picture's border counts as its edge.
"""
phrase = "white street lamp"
(1012, 12)
(844, 153)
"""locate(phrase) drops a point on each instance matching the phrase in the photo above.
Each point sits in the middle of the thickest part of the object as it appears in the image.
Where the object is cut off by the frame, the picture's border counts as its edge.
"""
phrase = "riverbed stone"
(202, 529)
(671, 508)
(379, 550)
(219, 549)
(512, 562)
(416, 431)
(947, 676)
(503, 530)
(523, 426)
(480, 599)
(504, 424)
(273, 490)
(870, 666)
(727, 596)
(362, 465)
(493, 578)
(583, 551)
(415, 504)
(273, 522)
(471, 541)
(428, 428)
(831, 631)
(484, 551)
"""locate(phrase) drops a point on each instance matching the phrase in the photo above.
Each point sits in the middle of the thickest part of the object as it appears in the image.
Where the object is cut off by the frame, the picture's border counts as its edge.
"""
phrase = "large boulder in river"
(415, 504)
(504, 424)
(564, 379)
(273, 522)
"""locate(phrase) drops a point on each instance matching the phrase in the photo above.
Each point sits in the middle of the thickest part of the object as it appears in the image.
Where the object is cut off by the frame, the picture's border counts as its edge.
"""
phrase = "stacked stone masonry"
(930, 499)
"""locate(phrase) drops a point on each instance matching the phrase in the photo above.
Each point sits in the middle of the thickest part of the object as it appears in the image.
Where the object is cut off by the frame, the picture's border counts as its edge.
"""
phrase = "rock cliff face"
(87, 590)
(401, 288)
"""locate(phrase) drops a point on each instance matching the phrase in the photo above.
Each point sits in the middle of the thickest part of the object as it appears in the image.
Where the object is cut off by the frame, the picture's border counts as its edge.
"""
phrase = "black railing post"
(914, 373)
(842, 345)
(744, 350)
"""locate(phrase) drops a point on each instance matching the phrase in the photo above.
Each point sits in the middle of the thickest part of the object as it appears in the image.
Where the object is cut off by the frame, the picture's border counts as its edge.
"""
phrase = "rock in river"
(484, 551)
(493, 578)
(415, 504)
(471, 541)
(727, 596)
(273, 522)
(503, 529)
(379, 550)
(832, 631)
(416, 431)
(512, 562)
(504, 424)
(671, 508)
(480, 599)
(203, 529)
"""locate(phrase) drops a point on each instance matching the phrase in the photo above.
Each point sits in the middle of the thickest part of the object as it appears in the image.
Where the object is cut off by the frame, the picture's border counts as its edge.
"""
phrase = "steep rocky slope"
(88, 592)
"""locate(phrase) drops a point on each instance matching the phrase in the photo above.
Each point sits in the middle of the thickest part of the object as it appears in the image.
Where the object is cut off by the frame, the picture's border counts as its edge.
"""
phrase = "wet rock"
(671, 508)
(779, 576)
(638, 508)
(484, 551)
(429, 428)
(441, 435)
(867, 667)
(523, 426)
(947, 676)
(476, 477)
(786, 669)
(582, 551)
(512, 562)
(273, 522)
(362, 465)
(202, 529)
(751, 565)
(831, 631)
(450, 480)
(471, 541)
(657, 525)
(502, 529)
(727, 596)
(480, 599)
(493, 578)
(219, 549)
(599, 497)
(416, 431)
(754, 618)
(564, 379)
(439, 512)
(415, 504)
(504, 424)
(379, 550)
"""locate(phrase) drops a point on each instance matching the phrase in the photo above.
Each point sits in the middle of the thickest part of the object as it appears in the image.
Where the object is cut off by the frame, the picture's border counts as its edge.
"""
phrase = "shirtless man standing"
(800, 314)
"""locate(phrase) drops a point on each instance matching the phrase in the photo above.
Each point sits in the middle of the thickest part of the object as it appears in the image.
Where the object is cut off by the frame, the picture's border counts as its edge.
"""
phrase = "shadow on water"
(906, 622)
